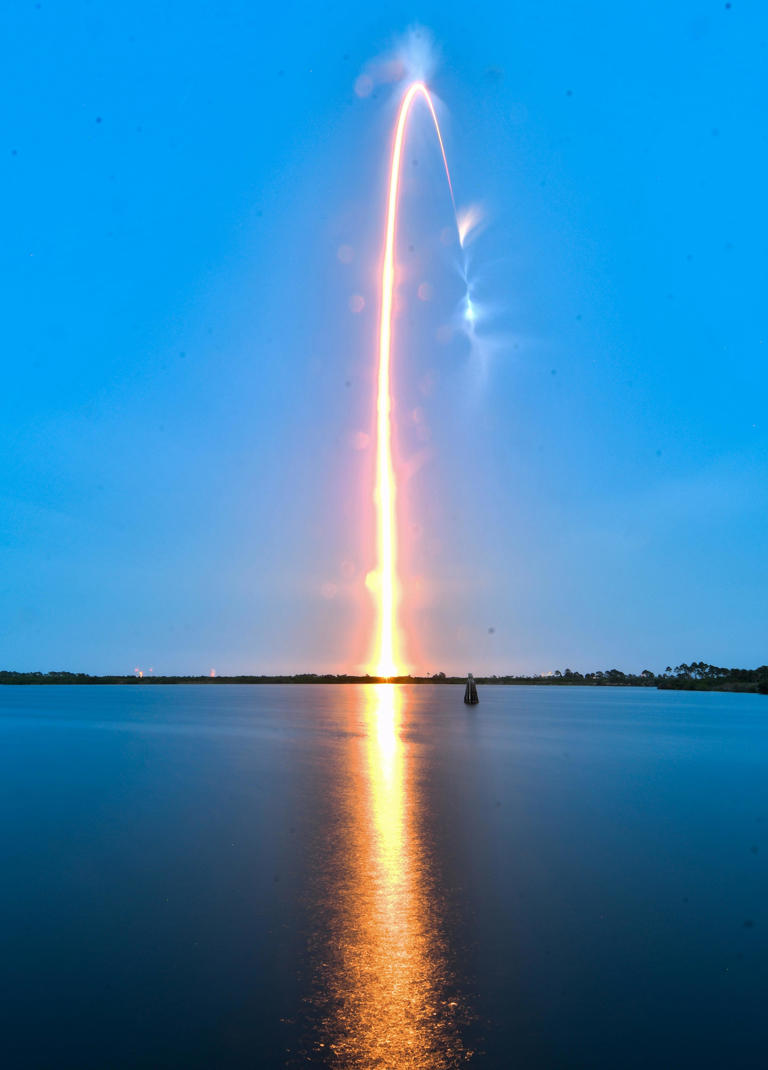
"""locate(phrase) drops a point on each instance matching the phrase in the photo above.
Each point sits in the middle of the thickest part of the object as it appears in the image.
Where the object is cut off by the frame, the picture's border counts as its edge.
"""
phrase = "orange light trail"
(384, 581)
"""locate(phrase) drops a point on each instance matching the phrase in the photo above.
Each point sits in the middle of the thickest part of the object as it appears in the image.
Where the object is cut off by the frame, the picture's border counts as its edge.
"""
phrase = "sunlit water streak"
(384, 975)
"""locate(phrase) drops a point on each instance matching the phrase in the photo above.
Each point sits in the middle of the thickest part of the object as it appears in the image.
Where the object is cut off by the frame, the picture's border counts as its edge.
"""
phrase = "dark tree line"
(699, 676)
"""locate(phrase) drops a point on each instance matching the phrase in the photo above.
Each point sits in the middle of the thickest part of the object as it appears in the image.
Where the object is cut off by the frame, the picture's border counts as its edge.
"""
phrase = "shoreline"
(757, 684)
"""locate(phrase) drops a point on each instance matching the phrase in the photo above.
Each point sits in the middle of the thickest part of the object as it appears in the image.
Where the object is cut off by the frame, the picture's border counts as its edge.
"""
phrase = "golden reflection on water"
(386, 983)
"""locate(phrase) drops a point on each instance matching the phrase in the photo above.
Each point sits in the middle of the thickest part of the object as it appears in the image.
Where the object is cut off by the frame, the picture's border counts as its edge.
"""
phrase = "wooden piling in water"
(470, 691)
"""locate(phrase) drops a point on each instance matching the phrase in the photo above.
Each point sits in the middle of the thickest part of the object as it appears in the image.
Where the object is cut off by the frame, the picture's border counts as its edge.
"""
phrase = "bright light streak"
(385, 586)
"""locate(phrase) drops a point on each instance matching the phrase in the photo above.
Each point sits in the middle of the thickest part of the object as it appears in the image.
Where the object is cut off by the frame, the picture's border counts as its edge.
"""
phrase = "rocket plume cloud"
(467, 222)
(412, 57)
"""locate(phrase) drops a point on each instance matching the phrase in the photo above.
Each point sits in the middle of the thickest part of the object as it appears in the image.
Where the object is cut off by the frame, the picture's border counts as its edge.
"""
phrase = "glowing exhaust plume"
(384, 581)
(467, 221)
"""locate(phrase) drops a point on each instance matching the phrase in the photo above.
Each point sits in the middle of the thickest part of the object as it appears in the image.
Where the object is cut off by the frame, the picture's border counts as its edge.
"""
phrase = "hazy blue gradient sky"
(187, 391)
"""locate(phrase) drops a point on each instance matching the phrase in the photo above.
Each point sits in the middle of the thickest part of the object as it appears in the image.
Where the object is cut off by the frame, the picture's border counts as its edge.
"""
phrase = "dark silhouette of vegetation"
(698, 676)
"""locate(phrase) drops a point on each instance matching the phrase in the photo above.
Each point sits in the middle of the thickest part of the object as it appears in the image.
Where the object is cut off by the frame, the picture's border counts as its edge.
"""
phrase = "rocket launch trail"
(386, 659)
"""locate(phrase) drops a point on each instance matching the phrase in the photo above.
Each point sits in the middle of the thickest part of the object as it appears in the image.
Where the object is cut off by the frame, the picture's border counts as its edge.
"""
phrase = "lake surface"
(267, 876)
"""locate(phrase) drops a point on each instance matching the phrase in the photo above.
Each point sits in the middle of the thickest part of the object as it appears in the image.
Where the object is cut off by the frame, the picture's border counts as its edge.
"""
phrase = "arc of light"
(386, 648)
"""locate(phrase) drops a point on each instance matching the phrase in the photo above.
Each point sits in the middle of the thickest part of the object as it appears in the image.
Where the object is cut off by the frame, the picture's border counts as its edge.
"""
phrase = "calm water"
(381, 877)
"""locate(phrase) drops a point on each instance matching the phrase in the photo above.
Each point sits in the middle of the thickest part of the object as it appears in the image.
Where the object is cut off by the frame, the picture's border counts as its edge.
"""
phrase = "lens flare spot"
(329, 590)
(391, 70)
(427, 384)
(420, 423)
(345, 253)
(363, 86)
(356, 303)
(360, 440)
(424, 291)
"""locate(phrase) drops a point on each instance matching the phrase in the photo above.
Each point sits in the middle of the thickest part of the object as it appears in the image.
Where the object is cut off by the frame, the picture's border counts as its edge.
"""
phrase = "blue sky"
(184, 468)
